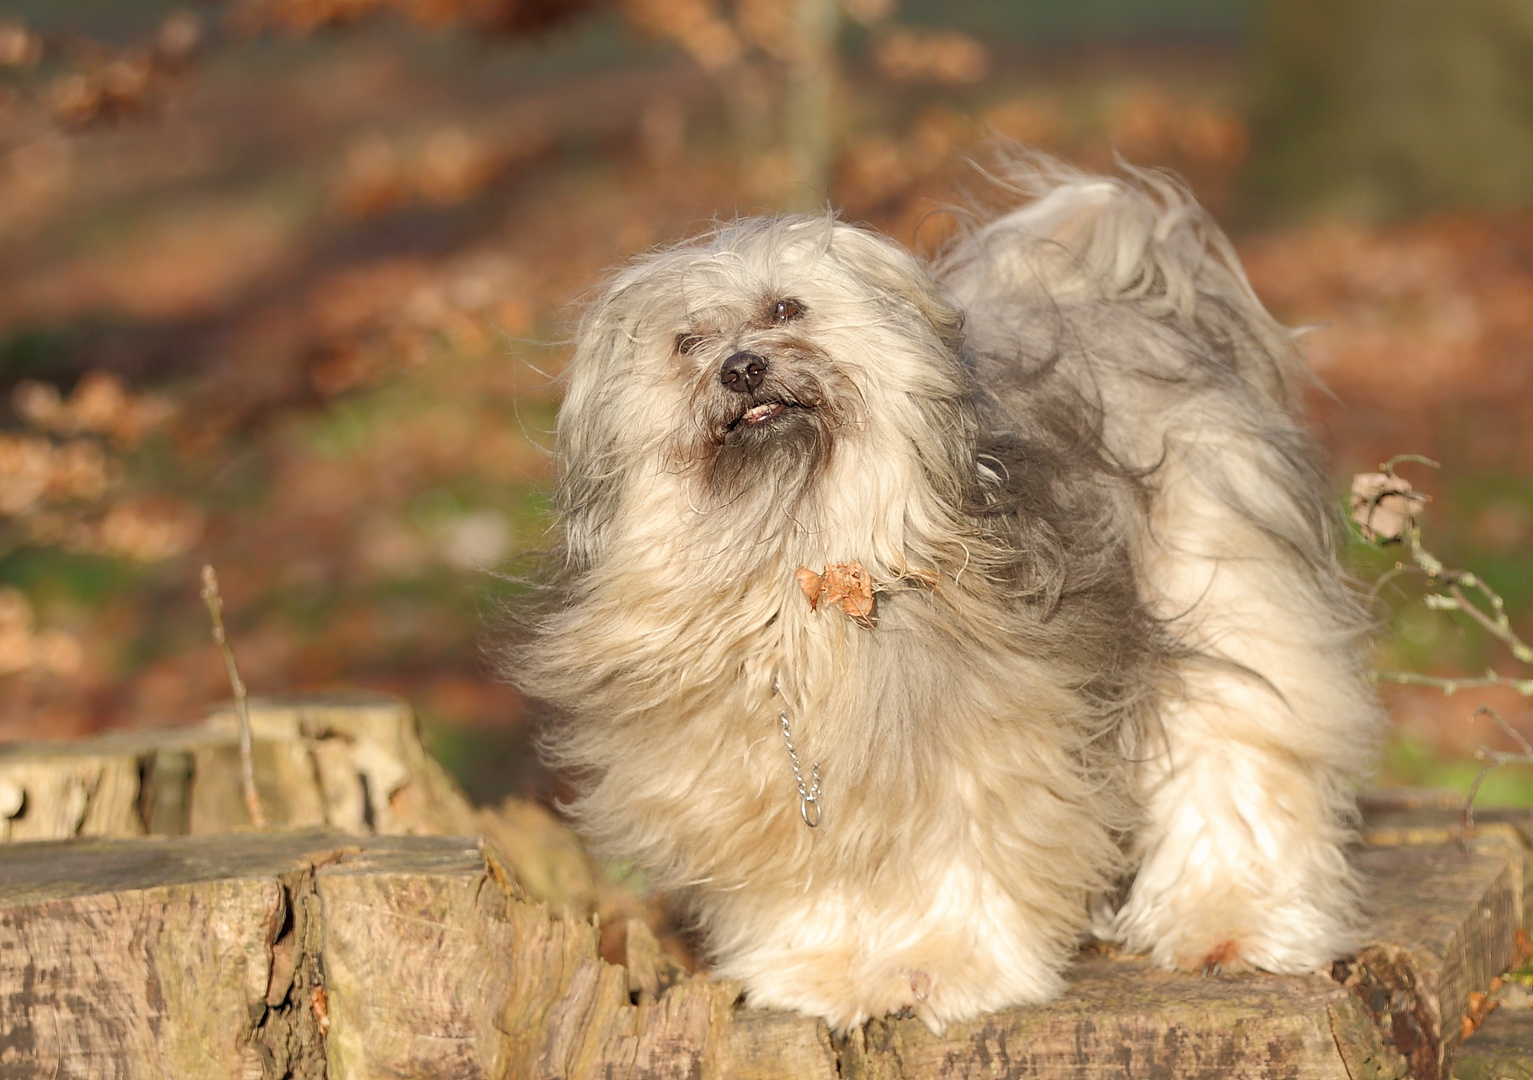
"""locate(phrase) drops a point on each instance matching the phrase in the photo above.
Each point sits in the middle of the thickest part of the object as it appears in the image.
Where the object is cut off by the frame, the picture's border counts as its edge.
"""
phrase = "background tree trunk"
(1377, 108)
(809, 102)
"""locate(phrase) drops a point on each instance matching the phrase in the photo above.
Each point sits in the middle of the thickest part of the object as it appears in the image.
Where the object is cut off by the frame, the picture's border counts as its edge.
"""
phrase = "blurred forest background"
(285, 284)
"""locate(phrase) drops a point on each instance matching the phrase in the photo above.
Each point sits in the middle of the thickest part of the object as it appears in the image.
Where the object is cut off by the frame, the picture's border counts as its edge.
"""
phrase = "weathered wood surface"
(311, 954)
(1445, 923)
(350, 761)
(353, 762)
(1446, 926)
(424, 957)
(224, 956)
(1502, 1048)
(211, 949)
(1122, 1018)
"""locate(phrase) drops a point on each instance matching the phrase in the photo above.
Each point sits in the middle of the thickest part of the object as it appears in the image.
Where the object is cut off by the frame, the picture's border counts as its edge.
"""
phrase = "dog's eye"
(685, 343)
(784, 310)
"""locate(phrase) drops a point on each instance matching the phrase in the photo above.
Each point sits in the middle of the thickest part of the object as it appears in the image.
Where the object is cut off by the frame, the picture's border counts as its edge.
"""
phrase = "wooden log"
(312, 953)
(309, 954)
(1437, 817)
(353, 761)
(1446, 926)
(350, 761)
(1124, 1018)
(198, 956)
(80, 789)
(1445, 923)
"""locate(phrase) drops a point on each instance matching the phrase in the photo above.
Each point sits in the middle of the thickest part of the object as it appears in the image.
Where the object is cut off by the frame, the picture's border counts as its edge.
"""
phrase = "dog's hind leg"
(1248, 802)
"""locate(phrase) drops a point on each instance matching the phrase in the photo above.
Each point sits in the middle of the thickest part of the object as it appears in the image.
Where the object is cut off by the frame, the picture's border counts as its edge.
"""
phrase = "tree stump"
(305, 951)
(353, 761)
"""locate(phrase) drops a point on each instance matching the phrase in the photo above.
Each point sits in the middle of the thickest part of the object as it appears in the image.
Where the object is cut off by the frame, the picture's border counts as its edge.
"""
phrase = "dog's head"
(775, 366)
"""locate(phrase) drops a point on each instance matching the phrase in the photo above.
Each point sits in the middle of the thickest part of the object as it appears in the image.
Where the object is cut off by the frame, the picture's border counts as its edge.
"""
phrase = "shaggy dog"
(917, 619)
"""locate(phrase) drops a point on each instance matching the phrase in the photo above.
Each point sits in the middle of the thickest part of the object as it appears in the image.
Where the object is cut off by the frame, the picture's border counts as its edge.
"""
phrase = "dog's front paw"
(925, 1006)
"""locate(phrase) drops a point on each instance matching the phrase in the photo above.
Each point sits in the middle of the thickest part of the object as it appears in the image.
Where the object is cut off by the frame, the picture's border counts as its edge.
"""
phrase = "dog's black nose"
(743, 372)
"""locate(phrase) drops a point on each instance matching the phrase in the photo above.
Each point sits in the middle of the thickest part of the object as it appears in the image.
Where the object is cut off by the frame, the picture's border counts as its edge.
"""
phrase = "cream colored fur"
(1110, 634)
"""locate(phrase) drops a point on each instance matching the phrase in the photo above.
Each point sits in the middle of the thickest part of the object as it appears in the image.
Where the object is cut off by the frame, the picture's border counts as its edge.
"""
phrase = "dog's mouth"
(779, 435)
(766, 414)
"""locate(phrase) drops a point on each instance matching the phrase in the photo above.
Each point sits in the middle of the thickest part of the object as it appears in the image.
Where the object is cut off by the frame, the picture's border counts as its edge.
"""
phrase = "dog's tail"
(1136, 238)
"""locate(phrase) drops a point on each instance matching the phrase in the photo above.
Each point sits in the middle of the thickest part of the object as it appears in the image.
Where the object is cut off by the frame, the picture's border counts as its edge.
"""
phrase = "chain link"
(808, 794)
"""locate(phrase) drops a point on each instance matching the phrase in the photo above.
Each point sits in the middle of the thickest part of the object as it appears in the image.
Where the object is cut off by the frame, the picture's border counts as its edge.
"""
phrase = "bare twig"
(1377, 588)
(1497, 625)
(1446, 591)
(1491, 759)
(1439, 577)
(215, 605)
(1525, 750)
(1452, 685)
(1388, 468)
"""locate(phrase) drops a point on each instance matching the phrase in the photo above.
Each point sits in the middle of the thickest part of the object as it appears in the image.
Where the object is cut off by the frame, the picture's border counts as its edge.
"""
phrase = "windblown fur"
(1112, 679)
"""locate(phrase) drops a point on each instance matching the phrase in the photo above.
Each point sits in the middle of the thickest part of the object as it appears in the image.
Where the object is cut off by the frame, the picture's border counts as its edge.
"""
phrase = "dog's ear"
(598, 384)
(901, 279)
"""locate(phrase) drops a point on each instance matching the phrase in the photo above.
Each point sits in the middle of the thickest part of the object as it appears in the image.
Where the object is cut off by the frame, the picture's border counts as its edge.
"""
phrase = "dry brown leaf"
(812, 585)
(847, 584)
(1384, 505)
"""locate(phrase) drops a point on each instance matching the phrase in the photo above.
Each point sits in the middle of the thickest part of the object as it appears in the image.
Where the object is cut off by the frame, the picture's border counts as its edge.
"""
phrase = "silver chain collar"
(808, 794)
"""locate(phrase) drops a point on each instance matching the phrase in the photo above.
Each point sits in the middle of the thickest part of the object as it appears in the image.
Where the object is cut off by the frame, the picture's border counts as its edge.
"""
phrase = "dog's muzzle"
(744, 373)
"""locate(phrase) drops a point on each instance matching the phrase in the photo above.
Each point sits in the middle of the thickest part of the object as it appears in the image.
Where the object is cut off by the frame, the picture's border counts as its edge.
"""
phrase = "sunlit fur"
(1113, 679)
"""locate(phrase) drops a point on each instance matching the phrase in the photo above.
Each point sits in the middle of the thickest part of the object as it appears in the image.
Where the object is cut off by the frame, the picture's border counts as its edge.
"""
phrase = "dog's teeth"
(762, 412)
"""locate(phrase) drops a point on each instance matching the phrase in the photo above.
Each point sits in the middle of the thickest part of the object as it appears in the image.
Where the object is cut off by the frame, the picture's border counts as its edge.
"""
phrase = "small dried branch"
(1525, 750)
(1491, 759)
(1385, 492)
(1496, 624)
(1388, 467)
(1384, 507)
(1453, 685)
(215, 604)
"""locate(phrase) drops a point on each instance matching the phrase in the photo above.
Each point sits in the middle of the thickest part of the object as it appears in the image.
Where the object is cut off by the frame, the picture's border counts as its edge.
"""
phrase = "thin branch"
(215, 604)
(1388, 468)
(1466, 815)
(1446, 592)
(1430, 564)
(1377, 589)
(1492, 759)
(1508, 730)
(1496, 623)
(1499, 626)
(1453, 685)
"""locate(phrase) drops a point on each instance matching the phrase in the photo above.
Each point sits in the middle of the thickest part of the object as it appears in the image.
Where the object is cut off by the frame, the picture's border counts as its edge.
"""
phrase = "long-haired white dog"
(916, 619)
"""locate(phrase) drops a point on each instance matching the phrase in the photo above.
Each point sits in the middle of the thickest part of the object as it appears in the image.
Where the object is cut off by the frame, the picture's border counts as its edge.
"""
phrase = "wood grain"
(351, 761)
